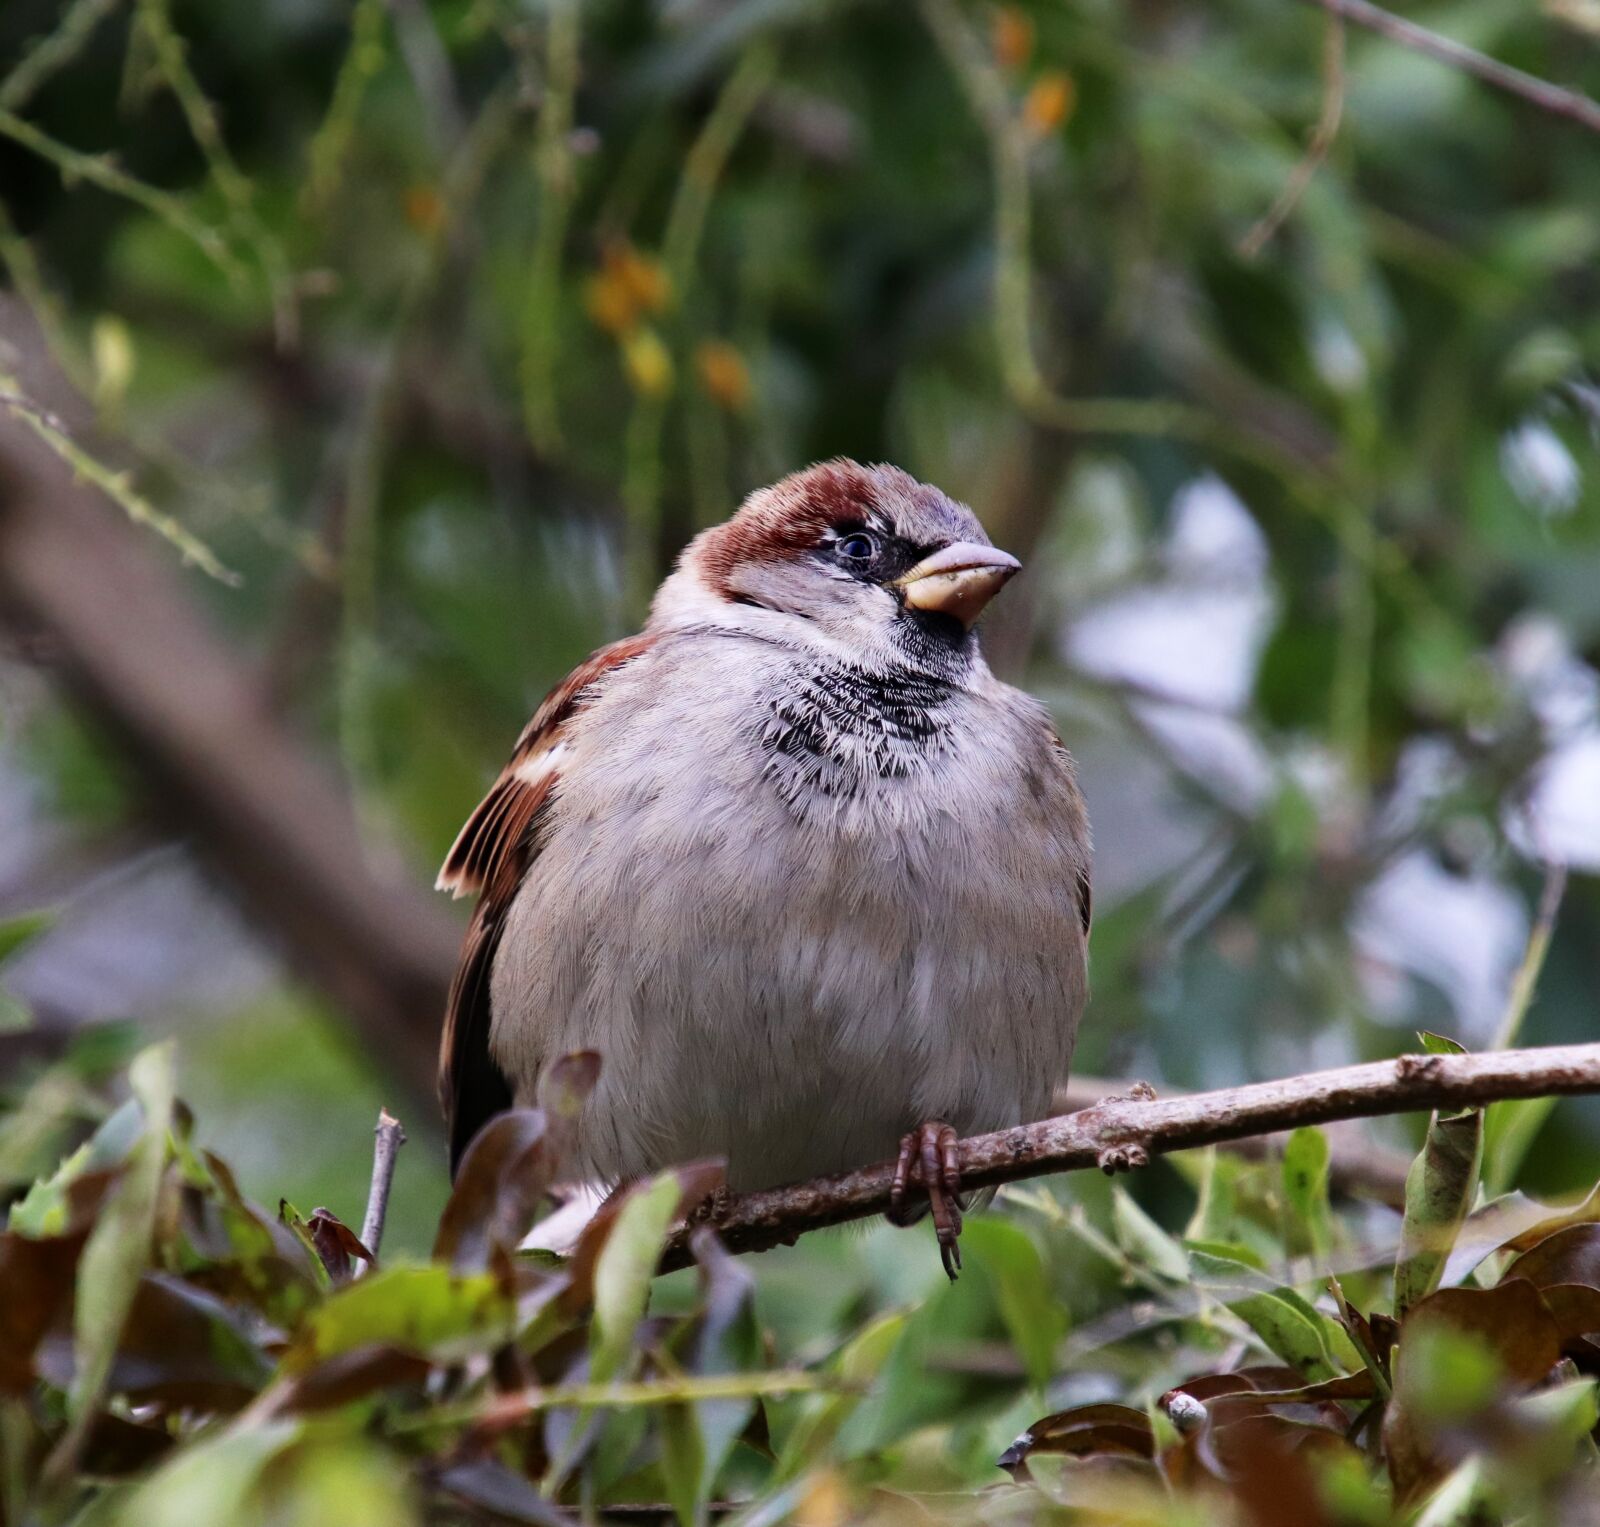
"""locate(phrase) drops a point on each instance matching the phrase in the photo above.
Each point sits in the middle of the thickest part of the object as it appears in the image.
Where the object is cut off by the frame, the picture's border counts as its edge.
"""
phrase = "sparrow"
(812, 881)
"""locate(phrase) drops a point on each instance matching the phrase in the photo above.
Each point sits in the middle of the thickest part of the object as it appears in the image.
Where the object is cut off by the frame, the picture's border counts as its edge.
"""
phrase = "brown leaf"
(1267, 1461)
(503, 1179)
(1085, 1431)
(116, 1447)
(1580, 1214)
(563, 1090)
(496, 1490)
(1570, 1255)
(36, 1276)
(1509, 1320)
(1575, 1307)
(180, 1346)
(337, 1244)
(352, 1376)
(696, 1183)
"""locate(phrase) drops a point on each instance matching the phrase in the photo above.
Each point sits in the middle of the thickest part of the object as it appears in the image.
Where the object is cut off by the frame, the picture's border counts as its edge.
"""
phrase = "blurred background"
(363, 366)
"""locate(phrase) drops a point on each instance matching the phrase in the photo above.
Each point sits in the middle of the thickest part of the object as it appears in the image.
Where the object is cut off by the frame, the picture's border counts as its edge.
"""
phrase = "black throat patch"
(842, 731)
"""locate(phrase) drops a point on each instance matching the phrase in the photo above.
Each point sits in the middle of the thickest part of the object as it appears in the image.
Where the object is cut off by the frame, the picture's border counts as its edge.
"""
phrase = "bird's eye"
(857, 547)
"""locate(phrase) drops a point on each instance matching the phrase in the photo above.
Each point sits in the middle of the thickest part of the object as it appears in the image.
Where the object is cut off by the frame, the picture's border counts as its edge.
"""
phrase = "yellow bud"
(1011, 37)
(424, 209)
(608, 302)
(1049, 102)
(648, 364)
(723, 373)
(640, 274)
(111, 350)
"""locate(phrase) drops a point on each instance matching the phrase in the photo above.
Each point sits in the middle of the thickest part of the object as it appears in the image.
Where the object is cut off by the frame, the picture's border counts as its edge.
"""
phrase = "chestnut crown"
(869, 556)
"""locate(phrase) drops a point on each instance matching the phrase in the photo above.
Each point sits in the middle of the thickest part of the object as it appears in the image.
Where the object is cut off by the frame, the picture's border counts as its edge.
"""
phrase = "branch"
(1529, 87)
(194, 721)
(385, 1150)
(1358, 1165)
(1125, 1132)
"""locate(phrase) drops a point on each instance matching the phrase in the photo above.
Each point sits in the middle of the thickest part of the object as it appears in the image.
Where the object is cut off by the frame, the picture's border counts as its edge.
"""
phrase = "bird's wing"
(1078, 818)
(490, 859)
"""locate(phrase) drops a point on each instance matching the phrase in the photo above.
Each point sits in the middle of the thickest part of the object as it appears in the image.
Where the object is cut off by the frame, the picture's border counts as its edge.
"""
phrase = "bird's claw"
(1122, 1158)
(930, 1157)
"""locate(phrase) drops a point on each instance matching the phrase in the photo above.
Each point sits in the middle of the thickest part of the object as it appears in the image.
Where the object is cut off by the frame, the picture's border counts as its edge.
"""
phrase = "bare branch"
(1125, 1129)
(1322, 136)
(1358, 1165)
(1529, 87)
(385, 1151)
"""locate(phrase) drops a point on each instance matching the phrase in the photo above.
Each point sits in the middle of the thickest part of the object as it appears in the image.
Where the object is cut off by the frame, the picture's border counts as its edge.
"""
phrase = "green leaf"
(15, 1018)
(211, 1480)
(1216, 1194)
(1439, 1190)
(1290, 1328)
(729, 1341)
(118, 1249)
(430, 1310)
(1034, 1320)
(1461, 1500)
(16, 932)
(1440, 1044)
(1305, 1194)
(683, 1462)
(1509, 1130)
(1144, 1240)
(623, 1273)
(43, 1209)
(855, 1366)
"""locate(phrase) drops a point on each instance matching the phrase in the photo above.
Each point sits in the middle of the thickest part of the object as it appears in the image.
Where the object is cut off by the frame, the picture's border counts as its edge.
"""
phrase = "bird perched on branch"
(807, 875)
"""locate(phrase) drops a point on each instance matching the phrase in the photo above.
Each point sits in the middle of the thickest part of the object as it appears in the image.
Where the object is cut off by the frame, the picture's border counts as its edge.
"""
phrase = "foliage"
(422, 335)
(173, 1351)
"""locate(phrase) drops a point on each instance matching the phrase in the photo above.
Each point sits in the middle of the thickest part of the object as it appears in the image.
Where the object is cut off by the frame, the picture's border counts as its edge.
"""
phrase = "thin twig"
(1446, 50)
(1322, 136)
(1118, 1132)
(98, 170)
(117, 486)
(703, 167)
(557, 172)
(388, 1138)
(1527, 976)
(46, 56)
(233, 185)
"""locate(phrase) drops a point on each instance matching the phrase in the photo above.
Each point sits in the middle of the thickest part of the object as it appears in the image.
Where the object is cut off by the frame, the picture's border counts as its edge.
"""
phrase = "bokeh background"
(419, 336)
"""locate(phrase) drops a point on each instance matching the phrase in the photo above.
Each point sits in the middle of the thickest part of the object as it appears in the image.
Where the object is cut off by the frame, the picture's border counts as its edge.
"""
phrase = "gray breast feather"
(789, 950)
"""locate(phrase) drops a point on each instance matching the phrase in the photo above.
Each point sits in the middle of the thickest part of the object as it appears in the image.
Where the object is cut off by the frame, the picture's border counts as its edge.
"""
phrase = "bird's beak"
(958, 580)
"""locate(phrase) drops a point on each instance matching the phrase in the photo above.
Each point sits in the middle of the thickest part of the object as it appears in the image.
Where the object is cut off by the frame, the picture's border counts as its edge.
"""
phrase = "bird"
(814, 882)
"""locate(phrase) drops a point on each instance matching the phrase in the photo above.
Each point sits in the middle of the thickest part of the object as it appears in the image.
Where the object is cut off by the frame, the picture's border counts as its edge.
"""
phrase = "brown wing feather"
(490, 857)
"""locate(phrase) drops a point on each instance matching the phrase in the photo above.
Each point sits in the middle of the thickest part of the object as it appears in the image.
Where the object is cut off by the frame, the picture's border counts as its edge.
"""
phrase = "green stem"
(54, 52)
(171, 55)
(702, 170)
(685, 1390)
(99, 171)
(553, 158)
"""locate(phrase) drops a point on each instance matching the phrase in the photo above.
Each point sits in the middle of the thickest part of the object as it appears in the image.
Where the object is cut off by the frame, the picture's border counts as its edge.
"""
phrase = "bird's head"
(866, 559)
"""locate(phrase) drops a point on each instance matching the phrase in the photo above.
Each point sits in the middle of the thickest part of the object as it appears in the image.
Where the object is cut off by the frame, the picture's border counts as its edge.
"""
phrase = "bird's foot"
(1138, 1092)
(1128, 1155)
(930, 1157)
(712, 1208)
(1122, 1158)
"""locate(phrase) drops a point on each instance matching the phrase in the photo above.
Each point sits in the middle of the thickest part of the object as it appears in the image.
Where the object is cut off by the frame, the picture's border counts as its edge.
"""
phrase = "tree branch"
(194, 721)
(389, 1137)
(1119, 1132)
(1357, 1164)
(1529, 87)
